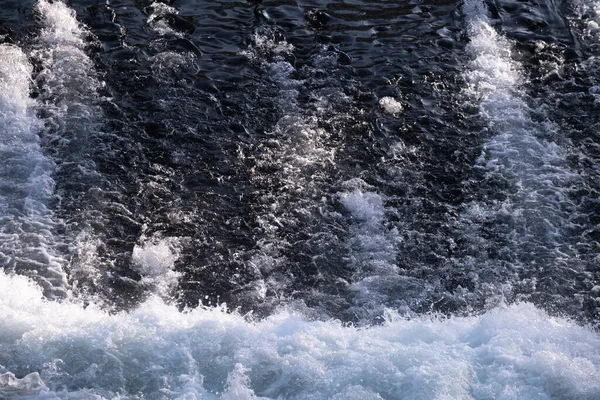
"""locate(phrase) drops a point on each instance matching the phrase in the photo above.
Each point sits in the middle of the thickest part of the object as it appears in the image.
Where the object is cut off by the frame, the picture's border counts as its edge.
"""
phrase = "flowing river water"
(299, 199)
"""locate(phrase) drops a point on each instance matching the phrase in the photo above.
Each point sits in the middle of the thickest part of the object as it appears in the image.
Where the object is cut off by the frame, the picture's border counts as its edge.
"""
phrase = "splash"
(155, 261)
(62, 350)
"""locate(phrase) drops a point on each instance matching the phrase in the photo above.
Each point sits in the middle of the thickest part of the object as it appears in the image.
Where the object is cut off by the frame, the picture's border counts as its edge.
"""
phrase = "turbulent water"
(299, 199)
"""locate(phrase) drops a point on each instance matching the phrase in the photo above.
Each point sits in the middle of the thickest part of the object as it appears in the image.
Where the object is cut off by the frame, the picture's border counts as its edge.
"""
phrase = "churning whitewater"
(299, 200)
(512, 352)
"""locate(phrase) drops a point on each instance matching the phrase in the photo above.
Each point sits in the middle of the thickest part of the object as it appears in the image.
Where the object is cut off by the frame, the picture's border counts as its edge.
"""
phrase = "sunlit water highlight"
(303, 195)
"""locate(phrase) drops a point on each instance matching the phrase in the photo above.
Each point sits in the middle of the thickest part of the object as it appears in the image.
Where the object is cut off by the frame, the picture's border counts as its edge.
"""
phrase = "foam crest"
(588, 12)
(511, 352)
(364, 206)
(12, 387)
(14, 83)
(265, 46)
(369, 241)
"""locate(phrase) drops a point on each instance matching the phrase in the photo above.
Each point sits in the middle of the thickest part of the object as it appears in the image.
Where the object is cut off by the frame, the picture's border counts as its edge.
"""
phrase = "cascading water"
(30, 238)
(299, 200)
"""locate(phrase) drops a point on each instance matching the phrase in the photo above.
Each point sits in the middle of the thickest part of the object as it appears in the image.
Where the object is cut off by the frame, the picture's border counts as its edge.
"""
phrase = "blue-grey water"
(299, 199)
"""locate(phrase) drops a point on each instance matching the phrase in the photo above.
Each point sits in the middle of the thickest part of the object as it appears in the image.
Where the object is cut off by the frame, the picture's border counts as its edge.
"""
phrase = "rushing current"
(300, 199)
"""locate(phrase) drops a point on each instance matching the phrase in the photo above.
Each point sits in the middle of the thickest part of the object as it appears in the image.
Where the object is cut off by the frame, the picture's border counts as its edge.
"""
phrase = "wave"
(63, 350)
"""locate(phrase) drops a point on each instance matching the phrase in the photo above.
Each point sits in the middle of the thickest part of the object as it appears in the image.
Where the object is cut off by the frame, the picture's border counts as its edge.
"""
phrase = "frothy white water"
(26, 232)
(588, 12)
(168, 66)
(69, 86)
(373, 247)
(68, 77)
(264, 47)
(391, 105)
(520, 150)
(155, 261)
(493, 77)
(295, 153)
(55, 350)
(157, 21)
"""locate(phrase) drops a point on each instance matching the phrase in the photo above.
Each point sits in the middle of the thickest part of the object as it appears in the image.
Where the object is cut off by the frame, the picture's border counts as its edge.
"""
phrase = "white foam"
(391, 105)
(521, 150)
(155, 261)
(26, 238)
(158, 23)
(264, 46)
(14, 85)
(513, 352)
(67, 81)
(12, 387)
(61, 26)
(591, 10)
(69, 86)
(364, 206)
(372, 253)
(68, 77)
(493, 77)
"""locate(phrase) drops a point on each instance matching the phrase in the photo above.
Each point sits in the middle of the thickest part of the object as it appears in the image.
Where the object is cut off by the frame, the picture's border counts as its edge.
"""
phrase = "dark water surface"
(234, 130)
(343, 159)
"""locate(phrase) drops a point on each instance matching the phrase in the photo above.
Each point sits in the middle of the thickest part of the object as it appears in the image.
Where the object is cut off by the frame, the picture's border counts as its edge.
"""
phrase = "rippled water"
(308, 200)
